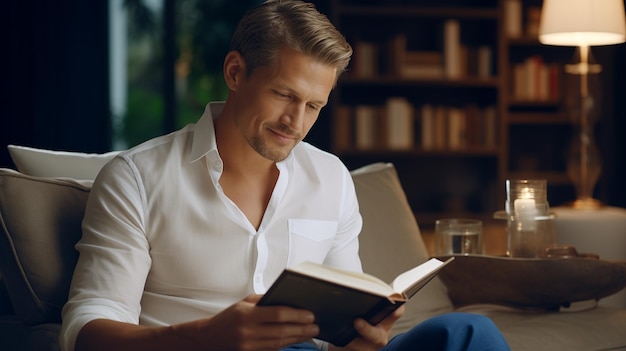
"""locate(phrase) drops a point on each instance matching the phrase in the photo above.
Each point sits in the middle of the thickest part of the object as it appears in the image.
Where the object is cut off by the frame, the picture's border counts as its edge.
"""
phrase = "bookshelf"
(457, 95)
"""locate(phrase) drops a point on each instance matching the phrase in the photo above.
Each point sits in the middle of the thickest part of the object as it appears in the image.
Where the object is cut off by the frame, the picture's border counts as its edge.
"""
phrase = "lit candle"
(525, 210)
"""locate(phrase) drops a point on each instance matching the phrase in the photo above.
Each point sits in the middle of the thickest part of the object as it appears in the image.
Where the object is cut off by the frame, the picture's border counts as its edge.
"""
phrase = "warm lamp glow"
(582, 22)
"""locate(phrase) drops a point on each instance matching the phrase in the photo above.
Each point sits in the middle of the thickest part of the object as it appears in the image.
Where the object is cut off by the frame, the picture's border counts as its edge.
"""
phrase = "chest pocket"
(310, 240)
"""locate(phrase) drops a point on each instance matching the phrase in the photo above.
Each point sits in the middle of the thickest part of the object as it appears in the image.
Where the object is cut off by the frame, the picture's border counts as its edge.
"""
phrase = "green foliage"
(201, 90)
(144, 117)
(211, 32)
(204, 29)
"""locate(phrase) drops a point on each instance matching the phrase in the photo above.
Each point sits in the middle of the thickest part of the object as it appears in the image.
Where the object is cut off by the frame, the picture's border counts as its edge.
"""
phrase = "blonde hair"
(268, 27)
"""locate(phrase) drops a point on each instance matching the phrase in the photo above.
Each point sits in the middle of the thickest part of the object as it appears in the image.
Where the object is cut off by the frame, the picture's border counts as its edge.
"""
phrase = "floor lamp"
(583, 23)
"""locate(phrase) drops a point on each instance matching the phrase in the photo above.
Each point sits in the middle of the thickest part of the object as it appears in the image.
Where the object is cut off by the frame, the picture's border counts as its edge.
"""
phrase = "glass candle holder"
(530, 227)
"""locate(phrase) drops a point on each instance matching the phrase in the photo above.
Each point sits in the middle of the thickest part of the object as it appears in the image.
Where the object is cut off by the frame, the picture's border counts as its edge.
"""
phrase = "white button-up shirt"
(162, 243)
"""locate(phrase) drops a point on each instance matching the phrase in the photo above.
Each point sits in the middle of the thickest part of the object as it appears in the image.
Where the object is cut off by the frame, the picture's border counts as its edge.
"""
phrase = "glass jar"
(530, 225)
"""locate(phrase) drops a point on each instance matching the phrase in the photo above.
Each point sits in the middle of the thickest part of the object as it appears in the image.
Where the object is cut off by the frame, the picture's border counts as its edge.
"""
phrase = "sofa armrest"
(40, 222)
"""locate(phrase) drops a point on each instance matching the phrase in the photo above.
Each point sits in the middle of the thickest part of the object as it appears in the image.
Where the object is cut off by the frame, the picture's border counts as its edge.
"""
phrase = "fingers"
(281, 322)
(281, 326)
(283, 331)
(245, 325)
(371, 335)
(374, 337)
(284, 314)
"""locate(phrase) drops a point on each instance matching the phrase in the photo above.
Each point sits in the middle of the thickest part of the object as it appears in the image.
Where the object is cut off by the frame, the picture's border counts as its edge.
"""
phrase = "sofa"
(41, 213)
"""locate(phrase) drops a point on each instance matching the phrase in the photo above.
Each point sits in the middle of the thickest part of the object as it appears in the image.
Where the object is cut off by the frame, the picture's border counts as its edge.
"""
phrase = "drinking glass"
(458, 236)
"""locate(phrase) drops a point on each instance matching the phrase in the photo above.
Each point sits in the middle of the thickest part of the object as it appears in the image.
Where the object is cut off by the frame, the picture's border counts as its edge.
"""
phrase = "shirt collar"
(204, 132)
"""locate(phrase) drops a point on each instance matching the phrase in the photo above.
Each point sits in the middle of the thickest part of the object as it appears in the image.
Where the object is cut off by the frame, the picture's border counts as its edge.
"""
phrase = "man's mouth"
(286, 136)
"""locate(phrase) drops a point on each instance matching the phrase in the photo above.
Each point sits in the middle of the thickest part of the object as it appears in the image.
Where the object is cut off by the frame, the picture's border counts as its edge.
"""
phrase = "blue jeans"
(450, 332)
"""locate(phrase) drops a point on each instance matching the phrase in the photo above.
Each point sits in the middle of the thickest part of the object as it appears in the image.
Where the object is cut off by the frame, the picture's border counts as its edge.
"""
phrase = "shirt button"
(257, 279)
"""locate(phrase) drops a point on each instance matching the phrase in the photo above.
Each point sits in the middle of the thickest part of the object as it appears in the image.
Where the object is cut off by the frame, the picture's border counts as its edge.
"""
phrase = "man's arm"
(242, 326)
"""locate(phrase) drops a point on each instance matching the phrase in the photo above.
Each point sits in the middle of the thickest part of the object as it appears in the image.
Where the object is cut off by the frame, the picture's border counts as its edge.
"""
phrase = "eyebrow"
(293, 92)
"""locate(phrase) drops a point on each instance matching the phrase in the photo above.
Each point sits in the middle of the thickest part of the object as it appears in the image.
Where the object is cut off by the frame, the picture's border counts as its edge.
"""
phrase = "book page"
(408, 278)
(357, 280)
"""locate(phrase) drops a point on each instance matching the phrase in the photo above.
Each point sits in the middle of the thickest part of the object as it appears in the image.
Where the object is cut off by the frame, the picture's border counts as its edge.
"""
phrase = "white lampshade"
(582, 22)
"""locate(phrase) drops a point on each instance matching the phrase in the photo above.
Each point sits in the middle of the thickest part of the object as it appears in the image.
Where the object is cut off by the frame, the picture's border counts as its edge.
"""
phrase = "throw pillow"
(51, 163)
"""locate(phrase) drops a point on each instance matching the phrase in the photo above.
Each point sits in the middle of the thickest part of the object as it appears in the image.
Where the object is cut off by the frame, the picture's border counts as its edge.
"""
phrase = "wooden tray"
(544, 283)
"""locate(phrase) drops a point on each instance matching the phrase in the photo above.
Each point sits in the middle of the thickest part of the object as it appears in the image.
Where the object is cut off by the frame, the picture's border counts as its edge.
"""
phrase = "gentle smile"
(282, 135)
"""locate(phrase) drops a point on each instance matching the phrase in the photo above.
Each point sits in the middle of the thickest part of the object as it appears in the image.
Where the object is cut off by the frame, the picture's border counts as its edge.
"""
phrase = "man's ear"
(234, 69)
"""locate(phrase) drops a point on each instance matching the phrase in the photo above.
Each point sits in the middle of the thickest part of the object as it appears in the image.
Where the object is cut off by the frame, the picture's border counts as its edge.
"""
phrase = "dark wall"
(55, 75)
(617, 183)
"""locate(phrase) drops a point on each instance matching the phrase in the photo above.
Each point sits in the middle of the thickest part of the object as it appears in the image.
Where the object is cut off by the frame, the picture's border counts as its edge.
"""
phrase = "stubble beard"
(268, 152)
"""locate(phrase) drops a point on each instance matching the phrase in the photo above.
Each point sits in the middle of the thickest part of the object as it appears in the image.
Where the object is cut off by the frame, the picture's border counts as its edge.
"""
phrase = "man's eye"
(313, 107)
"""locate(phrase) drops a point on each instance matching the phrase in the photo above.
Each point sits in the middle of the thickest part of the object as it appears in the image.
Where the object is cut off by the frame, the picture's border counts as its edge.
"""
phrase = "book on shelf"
(396, 52)
(406, 63)
(423, 57)
(489, 139)
(456, 60)
(513, 18)
(536, 80)
(342, 135)
(484, 61)
(533, 17)
(367, 125)
(474, 125)
(399, 120)
(424, 71)
(441, 127)
(452, 49)
(427, 124)
(475, 61)
(365, 60)
(454, 128)
(337, 297)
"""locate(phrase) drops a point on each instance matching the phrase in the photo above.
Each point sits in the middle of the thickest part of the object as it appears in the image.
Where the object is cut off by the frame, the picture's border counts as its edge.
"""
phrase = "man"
(183, 233)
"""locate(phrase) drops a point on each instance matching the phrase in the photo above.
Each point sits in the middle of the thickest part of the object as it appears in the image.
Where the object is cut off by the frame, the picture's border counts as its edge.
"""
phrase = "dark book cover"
(335, 306)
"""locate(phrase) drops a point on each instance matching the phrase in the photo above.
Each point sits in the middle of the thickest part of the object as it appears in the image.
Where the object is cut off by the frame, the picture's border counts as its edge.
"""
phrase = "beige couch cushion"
(40, 220)
(391, 243)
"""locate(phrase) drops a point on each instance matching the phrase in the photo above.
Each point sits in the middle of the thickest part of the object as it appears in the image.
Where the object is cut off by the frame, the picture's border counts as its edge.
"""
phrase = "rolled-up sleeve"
(114, 258)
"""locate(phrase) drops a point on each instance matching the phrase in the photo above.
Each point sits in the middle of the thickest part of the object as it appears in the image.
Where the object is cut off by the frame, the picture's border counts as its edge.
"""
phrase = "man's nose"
(294, 116)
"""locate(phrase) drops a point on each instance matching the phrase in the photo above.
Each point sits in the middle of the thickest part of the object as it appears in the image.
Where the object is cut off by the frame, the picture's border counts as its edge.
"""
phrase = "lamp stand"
(584, 163)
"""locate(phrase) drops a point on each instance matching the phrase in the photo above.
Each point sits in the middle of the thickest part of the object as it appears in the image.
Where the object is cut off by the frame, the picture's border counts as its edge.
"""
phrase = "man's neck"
(238, 156)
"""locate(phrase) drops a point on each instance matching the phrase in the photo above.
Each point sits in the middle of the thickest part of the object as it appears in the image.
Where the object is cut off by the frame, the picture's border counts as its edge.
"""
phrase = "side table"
(601, 231)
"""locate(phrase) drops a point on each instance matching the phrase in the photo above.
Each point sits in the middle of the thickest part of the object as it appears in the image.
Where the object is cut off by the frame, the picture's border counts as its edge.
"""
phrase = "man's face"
(278, 104)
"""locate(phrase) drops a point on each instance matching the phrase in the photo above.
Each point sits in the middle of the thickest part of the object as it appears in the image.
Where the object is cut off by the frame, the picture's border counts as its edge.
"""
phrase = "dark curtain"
(56, 76)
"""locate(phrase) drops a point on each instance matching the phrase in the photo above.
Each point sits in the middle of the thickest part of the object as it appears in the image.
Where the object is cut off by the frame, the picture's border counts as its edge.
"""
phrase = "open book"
(337, 297)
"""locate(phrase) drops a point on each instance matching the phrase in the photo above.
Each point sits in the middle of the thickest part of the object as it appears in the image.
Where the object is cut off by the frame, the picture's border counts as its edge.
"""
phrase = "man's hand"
(372, 337)
(245, 326)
